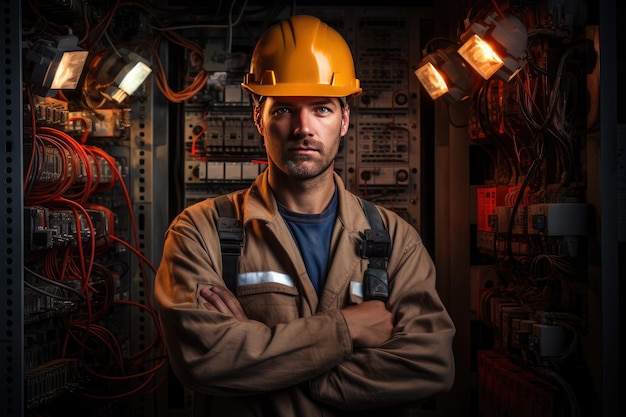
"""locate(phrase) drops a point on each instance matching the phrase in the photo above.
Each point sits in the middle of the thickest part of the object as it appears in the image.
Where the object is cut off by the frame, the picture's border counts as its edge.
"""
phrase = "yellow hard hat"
(302, 56)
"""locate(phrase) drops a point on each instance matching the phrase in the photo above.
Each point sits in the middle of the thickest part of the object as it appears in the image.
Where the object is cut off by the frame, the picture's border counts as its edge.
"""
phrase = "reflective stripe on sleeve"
(249, 278)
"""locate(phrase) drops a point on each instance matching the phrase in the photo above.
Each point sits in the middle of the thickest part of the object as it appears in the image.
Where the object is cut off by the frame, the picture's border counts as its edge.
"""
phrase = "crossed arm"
(370, 323)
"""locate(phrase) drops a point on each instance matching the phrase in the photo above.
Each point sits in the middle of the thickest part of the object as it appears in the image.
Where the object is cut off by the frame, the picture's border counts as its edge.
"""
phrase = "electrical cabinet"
(513, 190)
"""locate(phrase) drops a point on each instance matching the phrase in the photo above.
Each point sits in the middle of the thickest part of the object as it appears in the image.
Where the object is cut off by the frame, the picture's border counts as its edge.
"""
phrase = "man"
(298, 338)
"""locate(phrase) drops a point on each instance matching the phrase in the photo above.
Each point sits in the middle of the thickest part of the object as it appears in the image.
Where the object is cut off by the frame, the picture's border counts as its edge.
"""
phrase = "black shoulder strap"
(376, 248)
(231, 240)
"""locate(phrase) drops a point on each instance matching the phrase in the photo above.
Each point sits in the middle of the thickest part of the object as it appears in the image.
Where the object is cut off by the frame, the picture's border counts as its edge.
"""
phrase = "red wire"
(83, 139)
(112, 165)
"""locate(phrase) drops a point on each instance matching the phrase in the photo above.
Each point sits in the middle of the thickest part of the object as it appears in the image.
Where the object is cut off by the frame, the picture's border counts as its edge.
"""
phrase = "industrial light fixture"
(443, 73)
(495, 45)
(120, 74)
(55, 64)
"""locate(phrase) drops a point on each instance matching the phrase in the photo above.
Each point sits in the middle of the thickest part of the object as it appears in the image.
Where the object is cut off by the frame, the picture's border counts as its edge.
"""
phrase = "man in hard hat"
(299, 334)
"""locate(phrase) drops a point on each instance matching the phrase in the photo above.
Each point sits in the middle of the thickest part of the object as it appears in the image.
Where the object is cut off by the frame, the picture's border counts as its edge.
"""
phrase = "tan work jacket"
(295, 357)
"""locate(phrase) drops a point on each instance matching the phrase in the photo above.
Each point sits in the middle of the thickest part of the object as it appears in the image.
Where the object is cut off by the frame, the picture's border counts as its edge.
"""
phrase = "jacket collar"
(261, 204)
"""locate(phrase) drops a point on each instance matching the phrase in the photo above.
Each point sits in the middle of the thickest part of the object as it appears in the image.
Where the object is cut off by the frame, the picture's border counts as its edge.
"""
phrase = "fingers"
(212, 301)
(232, 303)
(370, 323)
(222, 301)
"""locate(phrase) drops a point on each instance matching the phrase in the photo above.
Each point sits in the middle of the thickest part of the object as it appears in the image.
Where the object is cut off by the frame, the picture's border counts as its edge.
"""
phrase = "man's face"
(302, 134)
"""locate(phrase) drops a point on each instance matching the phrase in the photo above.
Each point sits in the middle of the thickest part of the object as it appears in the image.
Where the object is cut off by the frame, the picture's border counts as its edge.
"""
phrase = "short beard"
(301, 173)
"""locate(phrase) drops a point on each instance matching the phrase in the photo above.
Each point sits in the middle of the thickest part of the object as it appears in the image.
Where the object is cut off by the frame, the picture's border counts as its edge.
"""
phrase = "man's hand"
(370, 323)
(222, 301)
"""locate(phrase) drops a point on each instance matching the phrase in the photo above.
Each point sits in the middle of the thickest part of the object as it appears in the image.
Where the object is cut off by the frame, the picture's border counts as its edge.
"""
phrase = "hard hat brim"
(304, 90)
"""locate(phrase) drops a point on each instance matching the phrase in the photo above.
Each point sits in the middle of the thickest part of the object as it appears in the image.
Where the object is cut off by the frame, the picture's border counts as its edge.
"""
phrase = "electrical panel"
(90, 227)
(533, 286)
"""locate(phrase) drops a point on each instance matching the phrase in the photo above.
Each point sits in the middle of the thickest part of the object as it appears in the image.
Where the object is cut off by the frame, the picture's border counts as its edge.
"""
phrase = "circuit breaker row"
(210, 135)
(503, 227)
(531, 336)
(47, 228)
(103, 123)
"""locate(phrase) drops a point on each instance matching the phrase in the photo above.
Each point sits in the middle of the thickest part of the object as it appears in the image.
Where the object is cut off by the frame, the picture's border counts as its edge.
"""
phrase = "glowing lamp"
(122, 74)
(444, 74)
(495, 45)
(55, 64)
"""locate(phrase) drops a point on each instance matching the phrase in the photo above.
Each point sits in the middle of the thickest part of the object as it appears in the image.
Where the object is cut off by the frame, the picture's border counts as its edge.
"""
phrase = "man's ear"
(345, 120)
(258, 120)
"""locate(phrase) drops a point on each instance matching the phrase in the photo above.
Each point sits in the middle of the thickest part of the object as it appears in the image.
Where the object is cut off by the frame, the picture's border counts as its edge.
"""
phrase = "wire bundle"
(68, 176)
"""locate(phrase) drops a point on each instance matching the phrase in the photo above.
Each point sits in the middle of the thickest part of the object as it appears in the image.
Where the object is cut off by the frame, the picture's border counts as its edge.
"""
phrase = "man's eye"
(281, 110)
(323, 110)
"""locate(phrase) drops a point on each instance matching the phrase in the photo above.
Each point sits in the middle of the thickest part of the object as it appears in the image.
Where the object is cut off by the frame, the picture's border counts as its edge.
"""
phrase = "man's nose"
(302, 123)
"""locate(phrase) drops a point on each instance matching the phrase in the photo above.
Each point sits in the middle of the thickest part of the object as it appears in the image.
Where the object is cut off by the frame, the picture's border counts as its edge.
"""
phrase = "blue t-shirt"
(312, 233)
